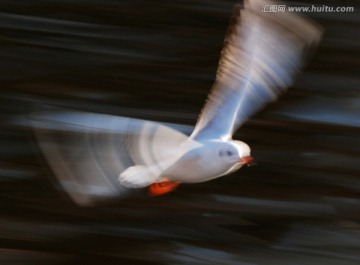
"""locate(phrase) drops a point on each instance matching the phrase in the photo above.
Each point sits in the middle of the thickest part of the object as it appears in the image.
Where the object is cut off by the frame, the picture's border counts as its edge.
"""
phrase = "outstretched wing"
(88, 151)
(262, 52)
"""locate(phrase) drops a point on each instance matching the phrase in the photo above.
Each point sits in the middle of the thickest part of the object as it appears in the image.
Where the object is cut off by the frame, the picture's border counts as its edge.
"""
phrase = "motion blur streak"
(157, 61)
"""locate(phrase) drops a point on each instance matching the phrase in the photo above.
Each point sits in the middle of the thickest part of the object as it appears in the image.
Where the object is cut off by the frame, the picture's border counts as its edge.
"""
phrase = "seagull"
(97, 156)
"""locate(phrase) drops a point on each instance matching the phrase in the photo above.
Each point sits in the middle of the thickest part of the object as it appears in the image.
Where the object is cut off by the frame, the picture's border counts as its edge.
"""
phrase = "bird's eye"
(225, 153)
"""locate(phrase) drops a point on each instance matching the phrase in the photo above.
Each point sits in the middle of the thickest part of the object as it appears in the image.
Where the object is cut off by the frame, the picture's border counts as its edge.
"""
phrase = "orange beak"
(248, 160)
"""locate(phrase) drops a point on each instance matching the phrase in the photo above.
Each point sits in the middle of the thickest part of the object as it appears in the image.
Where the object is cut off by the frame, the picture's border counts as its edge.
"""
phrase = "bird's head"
(236, 153)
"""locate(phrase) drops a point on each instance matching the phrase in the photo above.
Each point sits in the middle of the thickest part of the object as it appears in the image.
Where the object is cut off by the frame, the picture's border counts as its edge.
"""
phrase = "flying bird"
(98, 156)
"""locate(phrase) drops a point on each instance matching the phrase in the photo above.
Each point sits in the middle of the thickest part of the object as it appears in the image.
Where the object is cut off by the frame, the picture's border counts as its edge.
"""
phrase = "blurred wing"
(262, 52)
(88, 151)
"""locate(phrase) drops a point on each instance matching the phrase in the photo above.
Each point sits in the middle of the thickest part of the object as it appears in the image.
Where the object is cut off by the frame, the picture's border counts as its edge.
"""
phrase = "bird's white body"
(191, 162)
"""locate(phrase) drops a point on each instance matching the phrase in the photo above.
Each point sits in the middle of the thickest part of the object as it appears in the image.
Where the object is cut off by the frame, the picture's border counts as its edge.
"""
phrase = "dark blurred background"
(157, 60)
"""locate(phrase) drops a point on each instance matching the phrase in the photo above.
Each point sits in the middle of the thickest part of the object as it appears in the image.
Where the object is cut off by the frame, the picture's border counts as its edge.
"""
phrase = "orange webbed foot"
(163, 187)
